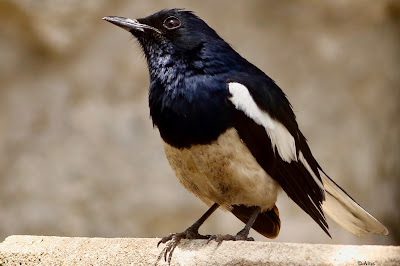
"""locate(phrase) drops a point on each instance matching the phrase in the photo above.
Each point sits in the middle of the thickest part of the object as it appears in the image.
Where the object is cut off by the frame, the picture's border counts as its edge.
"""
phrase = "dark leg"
(242, 234)
(191, 233)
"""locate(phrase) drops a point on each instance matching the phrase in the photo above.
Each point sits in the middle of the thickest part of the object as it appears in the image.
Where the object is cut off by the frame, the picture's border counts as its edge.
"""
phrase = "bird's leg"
(242, 234)
(192, 232)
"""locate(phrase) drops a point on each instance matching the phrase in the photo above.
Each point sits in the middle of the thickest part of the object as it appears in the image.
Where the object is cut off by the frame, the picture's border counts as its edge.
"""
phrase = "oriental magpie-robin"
(229, 132)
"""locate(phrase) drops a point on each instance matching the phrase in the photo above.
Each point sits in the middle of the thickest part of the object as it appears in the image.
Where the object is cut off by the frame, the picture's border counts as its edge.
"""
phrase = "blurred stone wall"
(79, 156)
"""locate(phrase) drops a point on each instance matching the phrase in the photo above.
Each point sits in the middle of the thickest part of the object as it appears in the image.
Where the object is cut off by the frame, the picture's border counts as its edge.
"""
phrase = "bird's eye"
(172, 23)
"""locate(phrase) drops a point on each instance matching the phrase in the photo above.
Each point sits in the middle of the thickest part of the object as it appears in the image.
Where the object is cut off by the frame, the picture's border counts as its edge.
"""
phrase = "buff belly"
(224, 172)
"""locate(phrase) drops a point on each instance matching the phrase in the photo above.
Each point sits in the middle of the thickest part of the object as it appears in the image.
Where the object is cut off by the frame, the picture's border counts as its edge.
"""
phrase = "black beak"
(131, 25)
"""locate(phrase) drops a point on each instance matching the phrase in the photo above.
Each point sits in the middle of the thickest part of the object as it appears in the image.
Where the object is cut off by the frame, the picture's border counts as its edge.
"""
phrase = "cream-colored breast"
(224, 172)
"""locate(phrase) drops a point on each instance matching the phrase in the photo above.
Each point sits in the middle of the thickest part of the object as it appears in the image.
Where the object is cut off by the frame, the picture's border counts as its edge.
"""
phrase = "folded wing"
(267, 125)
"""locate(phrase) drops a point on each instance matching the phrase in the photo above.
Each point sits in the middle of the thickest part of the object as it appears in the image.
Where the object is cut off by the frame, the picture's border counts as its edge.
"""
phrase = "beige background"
(79, 156)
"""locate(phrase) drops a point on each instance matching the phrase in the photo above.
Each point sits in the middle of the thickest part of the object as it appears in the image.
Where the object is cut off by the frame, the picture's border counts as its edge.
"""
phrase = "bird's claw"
(172, 241)
(165, 239)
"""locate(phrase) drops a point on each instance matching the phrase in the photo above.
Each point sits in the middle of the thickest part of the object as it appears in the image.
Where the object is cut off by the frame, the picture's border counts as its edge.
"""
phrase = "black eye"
(172, 23)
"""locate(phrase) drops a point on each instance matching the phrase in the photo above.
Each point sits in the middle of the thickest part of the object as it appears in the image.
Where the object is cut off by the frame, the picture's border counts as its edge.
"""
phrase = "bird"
(230, 134)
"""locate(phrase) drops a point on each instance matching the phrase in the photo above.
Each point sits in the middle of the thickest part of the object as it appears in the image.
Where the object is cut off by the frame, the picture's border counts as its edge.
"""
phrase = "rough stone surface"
(50, 250)
(79, 156)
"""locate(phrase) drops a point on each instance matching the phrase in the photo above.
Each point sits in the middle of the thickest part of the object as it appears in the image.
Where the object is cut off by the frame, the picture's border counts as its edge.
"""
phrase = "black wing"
(293, 176)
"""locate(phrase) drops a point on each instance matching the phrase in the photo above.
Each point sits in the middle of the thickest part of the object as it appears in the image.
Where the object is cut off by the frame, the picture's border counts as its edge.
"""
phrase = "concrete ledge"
(50, 250)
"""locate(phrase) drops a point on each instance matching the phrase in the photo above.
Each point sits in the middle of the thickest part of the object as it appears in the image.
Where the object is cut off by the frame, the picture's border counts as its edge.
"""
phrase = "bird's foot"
(172, 241)
(240, 236)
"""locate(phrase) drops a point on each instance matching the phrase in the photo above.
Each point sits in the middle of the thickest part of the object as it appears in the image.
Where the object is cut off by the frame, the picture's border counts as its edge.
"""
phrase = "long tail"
(347, 212)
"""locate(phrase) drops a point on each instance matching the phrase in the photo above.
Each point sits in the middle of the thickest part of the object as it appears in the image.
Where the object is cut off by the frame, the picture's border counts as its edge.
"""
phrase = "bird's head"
(176, 36)
(169, 31)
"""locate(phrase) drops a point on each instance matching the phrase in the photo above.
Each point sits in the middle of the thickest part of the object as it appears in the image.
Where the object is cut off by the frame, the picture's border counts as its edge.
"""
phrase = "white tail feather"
(347, 213)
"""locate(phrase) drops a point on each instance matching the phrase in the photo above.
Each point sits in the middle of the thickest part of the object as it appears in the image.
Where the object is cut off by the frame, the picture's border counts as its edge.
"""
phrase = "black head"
(172, 31)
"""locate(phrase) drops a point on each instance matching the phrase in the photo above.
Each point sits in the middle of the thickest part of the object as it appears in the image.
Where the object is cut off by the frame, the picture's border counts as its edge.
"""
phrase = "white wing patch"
(281, 138)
